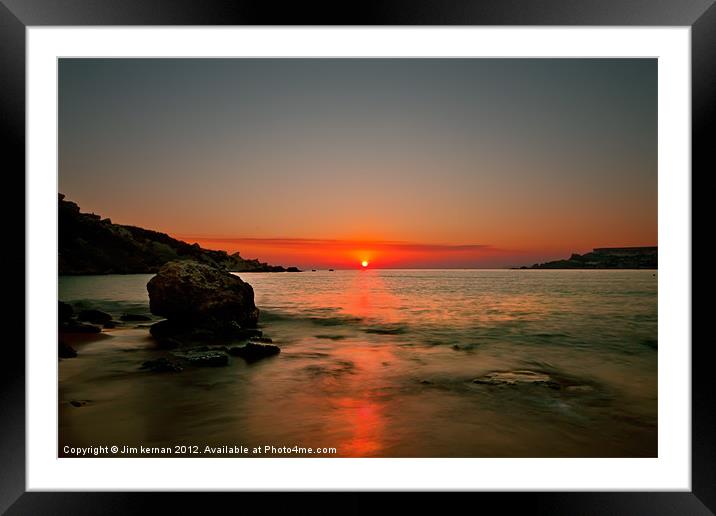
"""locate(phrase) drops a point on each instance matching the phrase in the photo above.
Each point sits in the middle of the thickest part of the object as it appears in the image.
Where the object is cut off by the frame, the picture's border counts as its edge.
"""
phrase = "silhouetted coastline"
(607, 258)
(90, 244)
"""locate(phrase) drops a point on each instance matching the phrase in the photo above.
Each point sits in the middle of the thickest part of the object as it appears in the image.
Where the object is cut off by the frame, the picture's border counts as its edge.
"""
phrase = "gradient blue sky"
(415, 162)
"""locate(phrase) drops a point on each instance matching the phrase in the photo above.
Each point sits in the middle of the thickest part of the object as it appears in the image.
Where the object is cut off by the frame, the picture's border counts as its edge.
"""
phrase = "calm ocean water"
(382, 363)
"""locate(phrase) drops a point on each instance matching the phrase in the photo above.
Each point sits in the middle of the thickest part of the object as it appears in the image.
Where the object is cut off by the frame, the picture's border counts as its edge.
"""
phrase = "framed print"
(439, 249)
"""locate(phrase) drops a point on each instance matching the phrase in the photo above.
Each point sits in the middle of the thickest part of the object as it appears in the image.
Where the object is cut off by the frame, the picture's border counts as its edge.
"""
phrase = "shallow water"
(382, 363)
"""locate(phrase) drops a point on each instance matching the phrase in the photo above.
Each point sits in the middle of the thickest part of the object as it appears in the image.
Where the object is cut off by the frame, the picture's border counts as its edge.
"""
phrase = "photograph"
(357, 257)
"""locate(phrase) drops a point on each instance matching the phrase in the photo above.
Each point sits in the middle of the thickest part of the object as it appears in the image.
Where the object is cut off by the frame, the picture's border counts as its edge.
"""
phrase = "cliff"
(607, 258)
(89, 244)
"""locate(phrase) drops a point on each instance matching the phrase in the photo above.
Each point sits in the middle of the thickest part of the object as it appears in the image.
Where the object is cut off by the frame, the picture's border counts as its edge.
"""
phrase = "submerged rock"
(166, 329)
(68, 324)
(169, 343)
(173, 333)
(78, 327)
(580, 388)
(162, 365)
(378, 330)
(202, 296)
(205, 358)
(252, 351)
(134, 318)
(517, 378)
(651, 343)
(65, 350)
(94, 316)
(330, 337)
(64, 312)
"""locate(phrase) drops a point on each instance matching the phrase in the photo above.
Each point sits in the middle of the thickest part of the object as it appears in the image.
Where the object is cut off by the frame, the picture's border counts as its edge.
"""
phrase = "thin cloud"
(295, 243)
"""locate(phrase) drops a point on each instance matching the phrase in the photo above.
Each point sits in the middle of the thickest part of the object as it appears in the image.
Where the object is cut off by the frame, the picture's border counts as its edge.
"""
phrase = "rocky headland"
(90, 244)
(607, 258)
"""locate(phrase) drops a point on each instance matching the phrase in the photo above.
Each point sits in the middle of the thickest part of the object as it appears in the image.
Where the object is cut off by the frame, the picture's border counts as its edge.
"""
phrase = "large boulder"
(199, 295)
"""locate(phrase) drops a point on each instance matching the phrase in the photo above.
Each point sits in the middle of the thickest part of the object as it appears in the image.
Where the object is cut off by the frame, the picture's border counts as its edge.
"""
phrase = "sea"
(383, 363)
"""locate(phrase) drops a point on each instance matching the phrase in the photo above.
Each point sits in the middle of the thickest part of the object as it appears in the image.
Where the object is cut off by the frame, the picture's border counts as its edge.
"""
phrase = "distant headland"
(89, 244)
(607, 258)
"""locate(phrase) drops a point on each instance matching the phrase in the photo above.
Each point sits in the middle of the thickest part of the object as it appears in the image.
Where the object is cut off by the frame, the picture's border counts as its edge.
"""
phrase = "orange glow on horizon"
(344, 254)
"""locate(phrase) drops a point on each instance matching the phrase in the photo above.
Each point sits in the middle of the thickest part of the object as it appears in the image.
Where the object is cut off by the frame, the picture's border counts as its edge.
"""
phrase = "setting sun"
(364, 263)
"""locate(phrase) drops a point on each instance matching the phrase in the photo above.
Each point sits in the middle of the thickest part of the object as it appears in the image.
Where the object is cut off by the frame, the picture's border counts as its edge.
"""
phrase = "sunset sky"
(401, 162)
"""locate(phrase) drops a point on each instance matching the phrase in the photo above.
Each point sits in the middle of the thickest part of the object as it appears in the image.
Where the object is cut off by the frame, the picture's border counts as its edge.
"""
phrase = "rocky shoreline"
(208, 315)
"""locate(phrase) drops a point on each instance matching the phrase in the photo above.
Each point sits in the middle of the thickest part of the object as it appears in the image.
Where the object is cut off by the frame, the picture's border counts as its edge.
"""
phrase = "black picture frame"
(17, 15)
